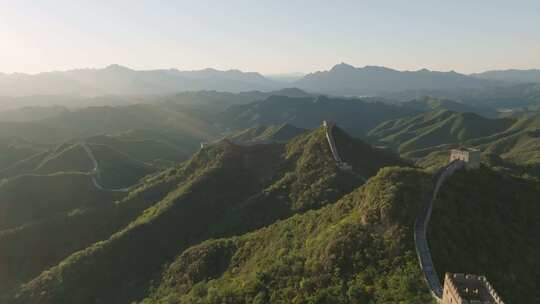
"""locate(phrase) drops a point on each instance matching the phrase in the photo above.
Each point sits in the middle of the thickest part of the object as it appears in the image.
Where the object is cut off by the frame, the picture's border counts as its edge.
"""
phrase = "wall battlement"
(470, 156)
(468, 289)
(420, 227)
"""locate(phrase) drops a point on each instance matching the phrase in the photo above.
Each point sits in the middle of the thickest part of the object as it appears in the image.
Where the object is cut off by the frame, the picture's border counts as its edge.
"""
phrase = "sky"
(269, 37)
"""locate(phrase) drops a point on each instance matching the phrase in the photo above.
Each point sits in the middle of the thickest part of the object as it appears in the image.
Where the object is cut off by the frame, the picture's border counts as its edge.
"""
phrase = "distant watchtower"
(328, 124)
(468, 289)
(470, 156)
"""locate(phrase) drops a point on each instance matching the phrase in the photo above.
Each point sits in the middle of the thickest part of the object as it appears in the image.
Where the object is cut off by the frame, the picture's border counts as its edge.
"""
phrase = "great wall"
(329, 131)
(96, 173)
(458, 288)
(420, 232)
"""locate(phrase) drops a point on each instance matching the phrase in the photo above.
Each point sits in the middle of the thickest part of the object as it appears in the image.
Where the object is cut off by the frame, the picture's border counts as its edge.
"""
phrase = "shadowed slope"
(227, 189)
(436, 128)
(487, 222)
(359, 250)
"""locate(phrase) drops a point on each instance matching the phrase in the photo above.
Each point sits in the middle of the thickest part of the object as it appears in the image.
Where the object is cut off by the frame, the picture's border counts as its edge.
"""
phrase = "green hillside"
(356, 116)
(359, 250)
(518, 145)
(436, 128)
(110, 120)
(72, 158)
(27, 114)
(30, 249)
(487, 222)
(11, 153)
(223, 190)
(116, 169)
(261, 134)
(215, 101)
(181, 128)
(32, 198)
(523, 147)
(428, 103)
(25, 165)
(148, 150)
(34, 132)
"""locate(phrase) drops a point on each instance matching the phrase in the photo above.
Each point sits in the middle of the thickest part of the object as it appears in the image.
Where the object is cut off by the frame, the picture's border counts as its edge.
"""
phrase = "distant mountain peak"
(377, 68)
(343, 67)
(117, 67)
(344, 79)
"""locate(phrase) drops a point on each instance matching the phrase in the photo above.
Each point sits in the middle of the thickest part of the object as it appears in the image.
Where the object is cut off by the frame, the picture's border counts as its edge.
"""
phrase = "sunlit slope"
(11, 153)
(116, 169)
(487, 222)
(359, 250)
(436, 128)
(261, 134)
(32, 198)
(73, 221)
(109, 120)
(356, 116)
(143, 148)
(225, 190)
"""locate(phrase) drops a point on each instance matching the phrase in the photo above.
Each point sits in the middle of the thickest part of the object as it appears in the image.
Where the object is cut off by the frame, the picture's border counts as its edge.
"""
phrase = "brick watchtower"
(471, 157)
(468, 289)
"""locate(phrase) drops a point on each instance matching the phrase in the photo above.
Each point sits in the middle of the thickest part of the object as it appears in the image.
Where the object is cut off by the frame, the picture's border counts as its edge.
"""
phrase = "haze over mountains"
(277, 152)
(119, 80)
(342, 79)
(532, 75)
(168, 193)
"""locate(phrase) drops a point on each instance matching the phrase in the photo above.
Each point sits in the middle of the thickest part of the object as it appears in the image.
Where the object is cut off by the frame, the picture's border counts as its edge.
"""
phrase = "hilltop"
(119, 80)
(512, 143)
(115, 168)
(356, 116)
(436, 128)
(266, 134)
(115, 82)
(358, 250)
(33, 198)
(235, 188)
(477, 214)
(215, 102)
(528, 76)
(345, 79)
(428, 103)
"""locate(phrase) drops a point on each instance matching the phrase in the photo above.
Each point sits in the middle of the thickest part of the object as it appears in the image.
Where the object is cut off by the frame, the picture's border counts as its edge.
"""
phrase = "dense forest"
(210, 197)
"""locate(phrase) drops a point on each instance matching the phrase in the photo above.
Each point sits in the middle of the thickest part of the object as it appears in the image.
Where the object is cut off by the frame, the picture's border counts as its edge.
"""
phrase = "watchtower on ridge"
(470, 156)
(468, 289)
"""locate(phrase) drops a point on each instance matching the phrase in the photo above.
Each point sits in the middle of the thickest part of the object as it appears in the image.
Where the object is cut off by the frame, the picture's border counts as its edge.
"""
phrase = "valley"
(269, 152)
(263, 197)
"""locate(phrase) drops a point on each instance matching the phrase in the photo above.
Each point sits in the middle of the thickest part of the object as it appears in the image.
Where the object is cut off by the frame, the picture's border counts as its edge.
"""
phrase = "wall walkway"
(420, 231)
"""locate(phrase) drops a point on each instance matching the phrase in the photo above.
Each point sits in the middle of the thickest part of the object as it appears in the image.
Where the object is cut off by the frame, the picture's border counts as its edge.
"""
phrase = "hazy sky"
(269, 36)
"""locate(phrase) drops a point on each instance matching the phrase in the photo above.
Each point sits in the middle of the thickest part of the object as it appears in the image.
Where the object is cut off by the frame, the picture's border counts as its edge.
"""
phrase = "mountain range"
(260, 223)
(528, 76)
(342, 79)
(238, 197)
(119, 80)
(223, 190)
